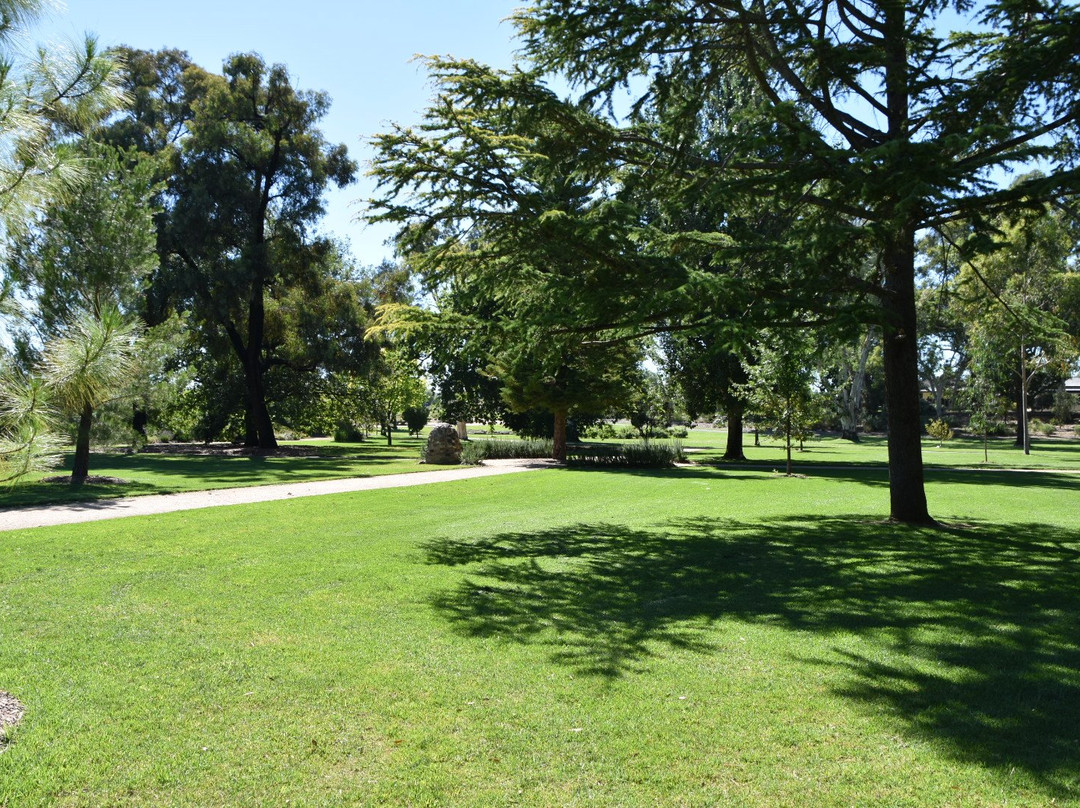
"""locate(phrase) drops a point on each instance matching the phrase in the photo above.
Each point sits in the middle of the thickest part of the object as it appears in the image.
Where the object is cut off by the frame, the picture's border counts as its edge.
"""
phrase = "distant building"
(1073, 385)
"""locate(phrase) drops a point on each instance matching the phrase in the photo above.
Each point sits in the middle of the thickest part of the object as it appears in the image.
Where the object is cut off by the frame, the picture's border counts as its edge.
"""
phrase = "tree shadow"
(973, 633)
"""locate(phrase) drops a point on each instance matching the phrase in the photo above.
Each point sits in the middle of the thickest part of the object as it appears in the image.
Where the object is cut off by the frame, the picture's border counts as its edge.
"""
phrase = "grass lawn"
(693, 637)
(146, 473)
(707, 445)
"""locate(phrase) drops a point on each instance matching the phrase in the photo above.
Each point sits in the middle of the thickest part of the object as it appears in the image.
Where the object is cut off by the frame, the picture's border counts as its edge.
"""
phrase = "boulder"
(443, 447)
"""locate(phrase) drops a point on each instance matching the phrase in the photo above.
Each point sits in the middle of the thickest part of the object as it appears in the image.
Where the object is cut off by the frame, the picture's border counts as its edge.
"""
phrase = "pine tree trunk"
(907, 493)
(734, 449)
(558, 449)
(80, 469)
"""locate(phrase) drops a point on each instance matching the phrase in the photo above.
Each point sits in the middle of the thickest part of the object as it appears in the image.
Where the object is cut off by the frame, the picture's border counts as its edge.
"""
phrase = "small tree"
(780, 387)
(939, 430)
(84, 367)
(416, 418)
(982, 394)
(395, 386)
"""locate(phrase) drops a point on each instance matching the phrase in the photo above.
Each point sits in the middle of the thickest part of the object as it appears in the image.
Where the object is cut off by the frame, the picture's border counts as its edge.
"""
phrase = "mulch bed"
(91, 480)
(11, 713)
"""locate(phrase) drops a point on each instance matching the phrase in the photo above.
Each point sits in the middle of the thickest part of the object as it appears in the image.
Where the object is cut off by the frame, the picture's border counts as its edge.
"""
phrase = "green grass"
(566, 637)
(707, 445)
(145, 473)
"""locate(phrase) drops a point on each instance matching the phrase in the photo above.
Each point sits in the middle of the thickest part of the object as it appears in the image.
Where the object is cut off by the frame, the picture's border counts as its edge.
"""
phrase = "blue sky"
(359, 52)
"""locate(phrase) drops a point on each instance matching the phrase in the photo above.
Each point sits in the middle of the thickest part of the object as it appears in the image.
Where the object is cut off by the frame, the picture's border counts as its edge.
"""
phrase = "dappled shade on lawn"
(976, 628)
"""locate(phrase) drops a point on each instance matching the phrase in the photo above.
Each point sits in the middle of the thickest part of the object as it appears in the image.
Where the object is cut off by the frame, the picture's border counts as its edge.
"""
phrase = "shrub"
(629, 455)
(939, 430)
(472, 453)
(1076, 429)
(601, 431)
(348, 432)
(1039, 427)
(1063, 406)
(507, 449)
(416, 418)
(679, 432)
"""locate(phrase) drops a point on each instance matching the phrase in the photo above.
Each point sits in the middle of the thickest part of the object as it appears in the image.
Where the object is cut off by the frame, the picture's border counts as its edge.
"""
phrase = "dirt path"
(70, 513)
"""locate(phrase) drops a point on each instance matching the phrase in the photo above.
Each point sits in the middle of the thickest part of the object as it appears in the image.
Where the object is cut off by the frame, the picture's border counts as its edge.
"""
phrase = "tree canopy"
(869, 123)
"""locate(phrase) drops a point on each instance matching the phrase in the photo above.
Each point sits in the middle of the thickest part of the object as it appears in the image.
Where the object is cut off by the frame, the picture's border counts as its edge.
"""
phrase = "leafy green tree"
(982, 395)
(883, 119)
(780, 386)
(83, 367)
(393, 386)
(711, 375)
(249, 184)
(95, 247)
(416, 418)
(564, 377)
(44, 99)
(1016, 306)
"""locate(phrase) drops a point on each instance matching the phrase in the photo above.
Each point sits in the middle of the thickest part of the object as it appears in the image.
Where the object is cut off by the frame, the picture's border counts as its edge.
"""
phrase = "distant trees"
(780, 386)
(936, 114)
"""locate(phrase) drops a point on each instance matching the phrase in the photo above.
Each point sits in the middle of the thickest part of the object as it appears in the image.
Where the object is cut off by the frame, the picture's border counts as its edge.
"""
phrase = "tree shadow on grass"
(973, 633)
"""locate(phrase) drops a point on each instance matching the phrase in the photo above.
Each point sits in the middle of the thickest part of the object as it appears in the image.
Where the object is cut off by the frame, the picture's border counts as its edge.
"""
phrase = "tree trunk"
(787, 442)
(251, 433)
(462, 430)
(256, 395)
(80, 469)
(1020, 411)
(907, 493)
(734, 449)
(1025, 427)
(558, 449)
(852, 397)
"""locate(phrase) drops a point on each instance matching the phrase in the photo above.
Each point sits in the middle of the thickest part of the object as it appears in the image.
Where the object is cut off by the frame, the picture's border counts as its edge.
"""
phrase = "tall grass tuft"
(477, 450)
(632, 455)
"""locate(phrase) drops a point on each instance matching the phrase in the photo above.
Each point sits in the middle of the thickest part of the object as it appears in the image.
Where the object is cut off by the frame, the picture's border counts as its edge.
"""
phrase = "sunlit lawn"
(707, 445)
(146, 473)
(695, 637)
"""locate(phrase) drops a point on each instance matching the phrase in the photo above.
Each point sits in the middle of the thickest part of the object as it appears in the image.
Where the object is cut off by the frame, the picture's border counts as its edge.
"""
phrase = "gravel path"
(70, 513)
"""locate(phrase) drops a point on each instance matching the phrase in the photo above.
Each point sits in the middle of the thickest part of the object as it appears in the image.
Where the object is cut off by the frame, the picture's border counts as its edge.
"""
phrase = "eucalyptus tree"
(1018, 307)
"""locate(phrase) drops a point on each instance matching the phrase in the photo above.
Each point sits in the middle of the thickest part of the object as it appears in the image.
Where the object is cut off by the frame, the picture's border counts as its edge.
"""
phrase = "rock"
(443, 447)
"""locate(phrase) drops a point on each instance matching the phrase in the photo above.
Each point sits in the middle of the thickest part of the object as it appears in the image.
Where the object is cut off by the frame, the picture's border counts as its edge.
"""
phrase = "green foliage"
(83, 366)
(780, 386)
(1037, 426)
(247, 186)
(1064, 406)
(45, 98)
(28, 442)
(93, 248)
(476, 450)
(643, 454)
(348, 432)
(939, 430)
(416, 418)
